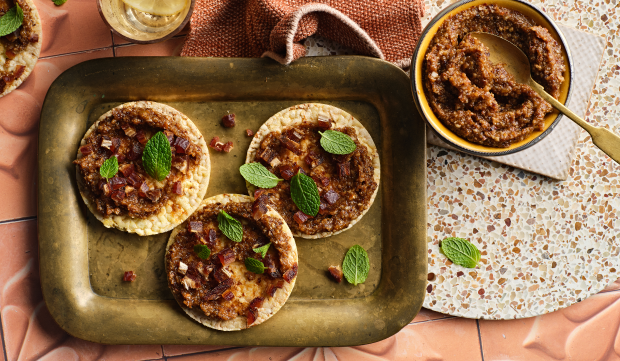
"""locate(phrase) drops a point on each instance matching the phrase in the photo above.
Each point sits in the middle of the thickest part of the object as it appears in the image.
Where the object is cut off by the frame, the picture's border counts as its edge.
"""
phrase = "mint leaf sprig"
(231, 227)
(202, 251)
(12, 20)
(157, 157)
(305, 194)
(356, 265)
(337, 142)
(258, 175)
(262, 250)
(59, 2)
(254, 265)
(109, 168)
(460, 251)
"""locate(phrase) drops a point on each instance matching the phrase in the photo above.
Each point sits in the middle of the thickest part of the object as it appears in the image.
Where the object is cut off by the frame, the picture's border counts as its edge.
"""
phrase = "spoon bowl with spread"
(517, 64)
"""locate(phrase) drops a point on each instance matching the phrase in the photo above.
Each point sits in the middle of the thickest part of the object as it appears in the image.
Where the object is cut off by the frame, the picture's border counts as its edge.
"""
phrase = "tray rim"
(67, 305)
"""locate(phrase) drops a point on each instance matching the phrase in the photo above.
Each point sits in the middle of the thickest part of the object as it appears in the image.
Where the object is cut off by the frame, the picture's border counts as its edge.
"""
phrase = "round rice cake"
(289, 142)
(219, 291)
(19, 50)
(132, 200)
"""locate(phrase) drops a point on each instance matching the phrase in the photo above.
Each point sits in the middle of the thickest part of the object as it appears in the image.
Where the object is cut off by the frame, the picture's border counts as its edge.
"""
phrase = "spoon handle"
(604, 139)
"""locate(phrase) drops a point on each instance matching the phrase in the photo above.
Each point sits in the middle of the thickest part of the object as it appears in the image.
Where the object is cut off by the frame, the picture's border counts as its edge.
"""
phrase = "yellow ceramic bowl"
(551, 120)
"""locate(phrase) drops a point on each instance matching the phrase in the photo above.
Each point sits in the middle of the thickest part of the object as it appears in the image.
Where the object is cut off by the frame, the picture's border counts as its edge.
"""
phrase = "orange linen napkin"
(386, 29)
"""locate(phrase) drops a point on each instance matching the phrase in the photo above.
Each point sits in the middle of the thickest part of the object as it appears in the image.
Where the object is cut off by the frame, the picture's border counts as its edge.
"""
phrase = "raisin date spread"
(221, 285)
(480, 101)
(132, 192)
(16, 42)
(345, 182)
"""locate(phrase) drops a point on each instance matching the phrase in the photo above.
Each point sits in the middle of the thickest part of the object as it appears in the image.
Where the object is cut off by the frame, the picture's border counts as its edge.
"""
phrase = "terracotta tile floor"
(75, 33)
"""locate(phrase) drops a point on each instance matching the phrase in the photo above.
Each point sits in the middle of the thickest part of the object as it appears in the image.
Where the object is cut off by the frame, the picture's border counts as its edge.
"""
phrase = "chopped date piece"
(319, 180)
(154, 194)
(250, 276)
(10, 55)
(300, 217)
(34, 38)
(336, 273)
(194, 226)
(291, 145)
(252, 315)
(128, 129)
(181, 144)
(181, 163)
(249, 133)
(290, 274)
(267, 155)
(116, 144)
(129, 276)
(118, 195)
(294, 135)
(211, 237)
(117, 182)
(217, 291)
(129, 190)
(344, 169)
(135, 153)
(298, 169)
(228, 120)
(86, 149)
(127, 169)
(141, 137)
(257, 302)
(169, 135)
(220, 275)
(214, 141)
(271, 270)
(286, 172)
(135, 180)
(104, 186)
(259, 192)
(19, 71)
(144, 188)
(331, 196)
(120, 157)
(271, 291)
(182, 268)
(314, 159)
(228, 147)
(189, 282)
(259, 208)
(206, 270)
(324, 122)
(177, 188)
(219, 146)
(228, 295)
(226, 256)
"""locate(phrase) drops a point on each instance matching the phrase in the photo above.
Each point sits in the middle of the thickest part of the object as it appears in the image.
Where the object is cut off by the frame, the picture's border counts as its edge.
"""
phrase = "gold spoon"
(518, 65)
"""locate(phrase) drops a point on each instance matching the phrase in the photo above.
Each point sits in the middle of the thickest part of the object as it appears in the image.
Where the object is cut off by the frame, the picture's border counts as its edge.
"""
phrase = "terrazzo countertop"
(579, 211)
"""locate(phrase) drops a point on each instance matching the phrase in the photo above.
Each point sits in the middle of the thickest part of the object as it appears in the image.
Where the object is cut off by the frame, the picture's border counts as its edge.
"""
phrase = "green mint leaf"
(202, 251)
(336, 142)
(305, 194)
(109, 168)
(59, 2)
(262, 250)
(231, 227)
(460, 251)
(12, 20)
(258, 175)
(356, 265)
(157, 157)
(254, 265)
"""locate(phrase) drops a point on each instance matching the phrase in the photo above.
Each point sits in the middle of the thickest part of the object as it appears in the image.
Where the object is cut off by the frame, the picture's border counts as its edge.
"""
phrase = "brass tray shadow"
(82, 262)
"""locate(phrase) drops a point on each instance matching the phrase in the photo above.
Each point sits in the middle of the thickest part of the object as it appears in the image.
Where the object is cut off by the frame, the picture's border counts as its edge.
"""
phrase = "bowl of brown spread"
(475, 105)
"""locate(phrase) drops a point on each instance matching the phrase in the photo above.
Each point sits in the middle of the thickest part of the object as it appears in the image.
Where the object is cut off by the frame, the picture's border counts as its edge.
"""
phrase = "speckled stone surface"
(545, 244)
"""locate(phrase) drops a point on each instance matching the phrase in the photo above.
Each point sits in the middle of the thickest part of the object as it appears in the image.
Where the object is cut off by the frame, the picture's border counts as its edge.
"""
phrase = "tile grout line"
(15, 220)
(163, 355)
(204, 352)
(76, 52)
(113, 47)
(433, 320)
(2, 336)
(480, 340)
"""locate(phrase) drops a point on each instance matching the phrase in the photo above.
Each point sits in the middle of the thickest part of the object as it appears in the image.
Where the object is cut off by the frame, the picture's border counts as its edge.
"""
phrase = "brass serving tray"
(82, 262)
